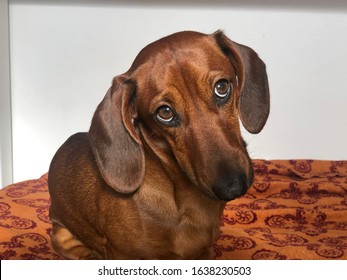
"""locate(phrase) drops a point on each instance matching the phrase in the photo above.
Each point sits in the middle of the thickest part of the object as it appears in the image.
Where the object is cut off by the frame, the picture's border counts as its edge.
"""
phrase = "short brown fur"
(135, 187)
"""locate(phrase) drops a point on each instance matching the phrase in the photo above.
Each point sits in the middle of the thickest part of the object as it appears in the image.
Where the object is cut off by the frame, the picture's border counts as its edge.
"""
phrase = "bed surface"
(296, 209)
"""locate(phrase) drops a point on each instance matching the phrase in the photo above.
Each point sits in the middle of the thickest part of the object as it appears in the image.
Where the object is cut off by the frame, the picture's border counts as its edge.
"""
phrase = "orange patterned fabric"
(24, 221)
(295, 210)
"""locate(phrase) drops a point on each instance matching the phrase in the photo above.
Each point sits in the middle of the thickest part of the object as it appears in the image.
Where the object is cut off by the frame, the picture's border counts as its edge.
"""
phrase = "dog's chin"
(222, 194)
(224, 190)
(212, 195)
(207, 192)
(232, 188)
(221, 197)
(228, 189)
(226, 195)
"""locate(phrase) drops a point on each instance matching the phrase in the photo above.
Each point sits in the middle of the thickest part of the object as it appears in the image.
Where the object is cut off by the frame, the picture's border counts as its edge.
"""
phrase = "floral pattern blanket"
(296, 209)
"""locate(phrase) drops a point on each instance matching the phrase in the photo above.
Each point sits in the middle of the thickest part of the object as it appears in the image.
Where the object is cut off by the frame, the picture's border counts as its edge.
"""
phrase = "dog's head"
(182, 98)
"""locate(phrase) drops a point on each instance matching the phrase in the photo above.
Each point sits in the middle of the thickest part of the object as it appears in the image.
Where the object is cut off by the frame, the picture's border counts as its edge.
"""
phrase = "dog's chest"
(186, 235)
(193, 238)
(185, 224)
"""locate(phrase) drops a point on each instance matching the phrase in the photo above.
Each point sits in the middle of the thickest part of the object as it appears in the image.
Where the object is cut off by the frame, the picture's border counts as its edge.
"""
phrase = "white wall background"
(5, 98)
(63, 58)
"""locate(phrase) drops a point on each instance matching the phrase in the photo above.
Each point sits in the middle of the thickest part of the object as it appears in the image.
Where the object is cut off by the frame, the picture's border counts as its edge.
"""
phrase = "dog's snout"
(231, 187)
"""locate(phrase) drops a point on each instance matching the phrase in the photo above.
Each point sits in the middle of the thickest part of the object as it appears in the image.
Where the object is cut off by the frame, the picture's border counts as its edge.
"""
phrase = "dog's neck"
(189, 213)
(165, 183)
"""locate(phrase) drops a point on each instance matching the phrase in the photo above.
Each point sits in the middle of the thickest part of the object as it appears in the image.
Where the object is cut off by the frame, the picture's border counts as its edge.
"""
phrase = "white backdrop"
(63, 58)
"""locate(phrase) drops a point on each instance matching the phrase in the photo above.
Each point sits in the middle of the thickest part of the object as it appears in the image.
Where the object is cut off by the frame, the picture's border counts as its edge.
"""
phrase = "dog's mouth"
(232, 188)
(228, 188)
(231, 183)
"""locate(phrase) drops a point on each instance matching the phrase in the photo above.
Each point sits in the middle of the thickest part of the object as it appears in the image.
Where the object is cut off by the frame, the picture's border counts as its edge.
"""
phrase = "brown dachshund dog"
(163, 154)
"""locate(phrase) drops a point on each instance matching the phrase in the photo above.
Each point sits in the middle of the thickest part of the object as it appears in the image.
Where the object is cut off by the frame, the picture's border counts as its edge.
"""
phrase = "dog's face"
(185, 103)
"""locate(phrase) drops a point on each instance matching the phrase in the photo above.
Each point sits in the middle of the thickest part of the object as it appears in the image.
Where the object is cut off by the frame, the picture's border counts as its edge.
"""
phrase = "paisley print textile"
(296, 209)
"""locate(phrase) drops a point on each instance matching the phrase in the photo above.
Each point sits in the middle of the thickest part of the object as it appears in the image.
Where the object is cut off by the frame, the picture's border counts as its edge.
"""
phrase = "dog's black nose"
(230, 188)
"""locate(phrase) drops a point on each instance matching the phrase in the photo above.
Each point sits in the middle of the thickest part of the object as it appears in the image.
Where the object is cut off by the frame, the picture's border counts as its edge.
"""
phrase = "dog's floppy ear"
(114, 140)
(254, 102)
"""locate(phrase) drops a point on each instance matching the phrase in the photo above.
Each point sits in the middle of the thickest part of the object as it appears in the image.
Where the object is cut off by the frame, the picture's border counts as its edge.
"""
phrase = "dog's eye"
(222, 89)
(165, 114)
